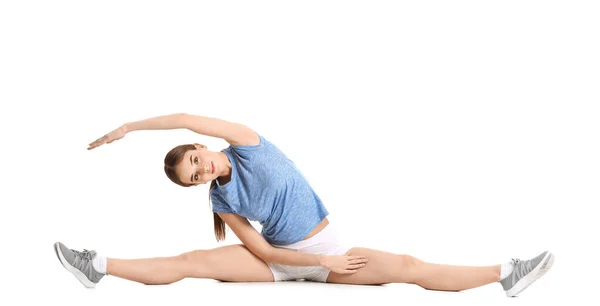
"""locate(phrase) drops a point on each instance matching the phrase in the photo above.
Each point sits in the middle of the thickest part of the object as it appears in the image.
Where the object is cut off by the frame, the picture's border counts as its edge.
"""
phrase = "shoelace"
(521, 267)
(86, 254)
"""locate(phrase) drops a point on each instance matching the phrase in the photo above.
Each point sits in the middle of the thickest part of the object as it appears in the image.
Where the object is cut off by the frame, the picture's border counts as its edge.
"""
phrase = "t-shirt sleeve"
(219, 206)
(247, 151)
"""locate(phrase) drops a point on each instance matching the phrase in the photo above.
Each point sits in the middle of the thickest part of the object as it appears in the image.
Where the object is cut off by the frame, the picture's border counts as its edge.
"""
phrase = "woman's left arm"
(232, 132)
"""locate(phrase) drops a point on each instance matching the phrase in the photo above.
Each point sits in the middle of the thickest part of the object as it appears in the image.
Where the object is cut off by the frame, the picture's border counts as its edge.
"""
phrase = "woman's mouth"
(212, 168)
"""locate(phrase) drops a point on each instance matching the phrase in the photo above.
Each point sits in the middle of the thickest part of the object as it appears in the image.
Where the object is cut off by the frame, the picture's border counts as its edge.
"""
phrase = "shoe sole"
(539, 271)
(78, 274)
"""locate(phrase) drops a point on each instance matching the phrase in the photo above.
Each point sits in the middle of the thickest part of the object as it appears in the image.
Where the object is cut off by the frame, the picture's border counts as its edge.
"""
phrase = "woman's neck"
(225, 175)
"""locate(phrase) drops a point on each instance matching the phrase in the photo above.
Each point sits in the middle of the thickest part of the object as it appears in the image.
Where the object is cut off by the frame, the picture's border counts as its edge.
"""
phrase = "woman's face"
(198, 166)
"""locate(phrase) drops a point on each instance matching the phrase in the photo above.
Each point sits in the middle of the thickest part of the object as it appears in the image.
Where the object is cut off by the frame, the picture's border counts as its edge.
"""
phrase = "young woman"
(253, 180)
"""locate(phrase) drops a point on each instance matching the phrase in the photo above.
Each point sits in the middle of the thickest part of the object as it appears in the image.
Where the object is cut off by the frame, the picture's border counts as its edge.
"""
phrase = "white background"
(460, 132)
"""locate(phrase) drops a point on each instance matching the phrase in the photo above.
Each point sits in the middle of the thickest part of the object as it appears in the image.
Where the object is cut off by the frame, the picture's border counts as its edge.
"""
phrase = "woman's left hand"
(116, 134)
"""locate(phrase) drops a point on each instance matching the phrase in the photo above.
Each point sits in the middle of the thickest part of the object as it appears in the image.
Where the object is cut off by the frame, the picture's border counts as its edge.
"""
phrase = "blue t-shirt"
(267, 187)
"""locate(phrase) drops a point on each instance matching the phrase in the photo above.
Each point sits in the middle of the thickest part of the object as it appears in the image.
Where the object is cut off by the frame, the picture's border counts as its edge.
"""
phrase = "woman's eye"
(195, 177)
(196, 160)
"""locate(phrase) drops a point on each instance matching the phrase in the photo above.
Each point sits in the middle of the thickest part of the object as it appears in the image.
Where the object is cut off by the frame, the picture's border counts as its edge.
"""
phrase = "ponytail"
(218, 222)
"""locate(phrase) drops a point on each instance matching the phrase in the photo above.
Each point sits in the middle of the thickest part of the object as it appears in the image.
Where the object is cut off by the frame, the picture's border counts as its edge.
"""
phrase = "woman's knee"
(195, 262)
(409, 261)
(407, 266)
(410, 267)
(198, 257)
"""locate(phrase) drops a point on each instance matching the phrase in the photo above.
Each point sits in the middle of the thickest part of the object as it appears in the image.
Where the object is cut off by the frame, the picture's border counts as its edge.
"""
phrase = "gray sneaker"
(79, 263)
(526, 272)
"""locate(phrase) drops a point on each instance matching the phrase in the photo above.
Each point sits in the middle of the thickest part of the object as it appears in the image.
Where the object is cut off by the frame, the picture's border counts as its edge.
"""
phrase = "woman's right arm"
(233, 133)
(253, 240)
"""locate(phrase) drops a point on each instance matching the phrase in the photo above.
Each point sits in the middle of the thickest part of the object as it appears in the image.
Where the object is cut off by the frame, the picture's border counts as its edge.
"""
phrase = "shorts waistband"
(326, 233)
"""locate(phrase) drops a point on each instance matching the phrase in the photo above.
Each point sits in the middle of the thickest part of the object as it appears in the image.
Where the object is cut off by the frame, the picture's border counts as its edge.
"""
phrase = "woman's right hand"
(116, 134)
(343, 264)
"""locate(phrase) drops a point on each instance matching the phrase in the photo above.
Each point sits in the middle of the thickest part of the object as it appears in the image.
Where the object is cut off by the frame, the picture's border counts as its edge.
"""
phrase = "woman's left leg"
(384, 267)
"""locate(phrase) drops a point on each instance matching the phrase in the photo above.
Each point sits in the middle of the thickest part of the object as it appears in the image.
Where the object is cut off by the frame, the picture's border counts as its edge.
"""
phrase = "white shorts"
(324, 242)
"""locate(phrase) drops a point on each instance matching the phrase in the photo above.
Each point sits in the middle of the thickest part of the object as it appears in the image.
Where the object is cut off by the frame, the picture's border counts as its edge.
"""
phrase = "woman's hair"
(174, 156)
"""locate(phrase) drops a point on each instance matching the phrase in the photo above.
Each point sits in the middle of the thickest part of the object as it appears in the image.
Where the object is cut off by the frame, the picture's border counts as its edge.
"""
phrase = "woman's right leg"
(234, 263)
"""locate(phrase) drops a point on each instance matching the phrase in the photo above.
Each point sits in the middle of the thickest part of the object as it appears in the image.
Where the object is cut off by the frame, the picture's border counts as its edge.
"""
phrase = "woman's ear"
(200, 146)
